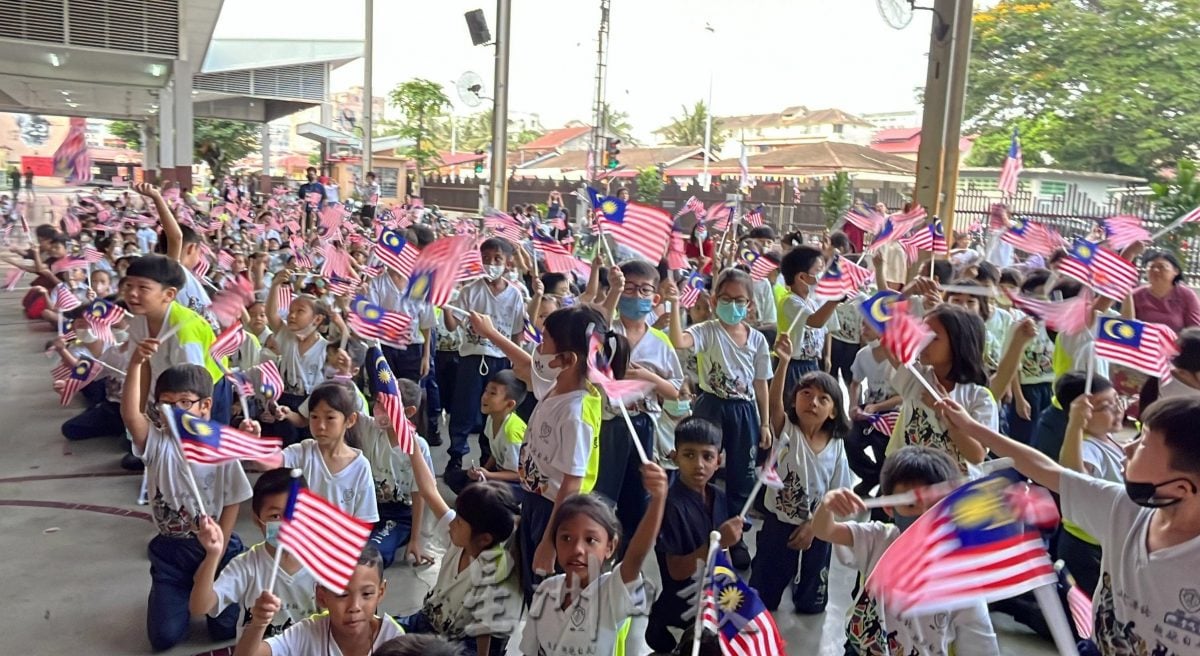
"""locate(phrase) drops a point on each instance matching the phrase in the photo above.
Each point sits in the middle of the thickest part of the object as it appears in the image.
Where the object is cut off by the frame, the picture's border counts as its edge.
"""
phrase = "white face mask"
(494, 271)
(544, 376)
(303, 333)
(121, 336)
(86, 336)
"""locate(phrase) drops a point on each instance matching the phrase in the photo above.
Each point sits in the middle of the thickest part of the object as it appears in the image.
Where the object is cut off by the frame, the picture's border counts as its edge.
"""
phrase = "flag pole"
(924, 383)
(1056, 619)
(1091, 363)
(637, 443)
(714, 543)
(295, 473)
(168, 412)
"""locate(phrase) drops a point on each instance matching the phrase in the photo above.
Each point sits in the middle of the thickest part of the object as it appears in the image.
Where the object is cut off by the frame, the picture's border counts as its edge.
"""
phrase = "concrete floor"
(75, 571)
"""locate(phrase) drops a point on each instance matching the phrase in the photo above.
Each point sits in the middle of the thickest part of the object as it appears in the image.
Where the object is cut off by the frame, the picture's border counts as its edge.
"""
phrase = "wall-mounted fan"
(897, 13)
(470, 88)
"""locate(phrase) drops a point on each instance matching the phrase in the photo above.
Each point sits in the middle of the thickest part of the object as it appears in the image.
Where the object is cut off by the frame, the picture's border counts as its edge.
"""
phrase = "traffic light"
(611, 150)
(479, 162)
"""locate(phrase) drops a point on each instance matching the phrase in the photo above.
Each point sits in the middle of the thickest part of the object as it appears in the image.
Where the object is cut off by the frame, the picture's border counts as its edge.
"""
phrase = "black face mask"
(1143, 493)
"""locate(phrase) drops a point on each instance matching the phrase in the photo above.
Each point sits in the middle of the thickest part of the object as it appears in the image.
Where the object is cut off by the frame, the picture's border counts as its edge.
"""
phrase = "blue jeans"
(173, 565)
(619, 476)
(465, 416)
(392, 531)
(101, 420)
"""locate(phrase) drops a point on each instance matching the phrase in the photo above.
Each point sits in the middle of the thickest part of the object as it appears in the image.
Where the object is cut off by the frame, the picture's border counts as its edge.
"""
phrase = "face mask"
(330, 372)
(903, 522)
(678, 407)
(634, 308)
(566, 301)
(544, 375)
(86, 336)
(272, 532)
(731, 314)
(1143, 493)
(303, 333)
(494, 271)
(701, 234)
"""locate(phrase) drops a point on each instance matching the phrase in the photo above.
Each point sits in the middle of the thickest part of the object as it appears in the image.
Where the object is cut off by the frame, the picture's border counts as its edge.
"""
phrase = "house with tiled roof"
(573, 165)
(906, 142)
(796, 125)
(566, 139)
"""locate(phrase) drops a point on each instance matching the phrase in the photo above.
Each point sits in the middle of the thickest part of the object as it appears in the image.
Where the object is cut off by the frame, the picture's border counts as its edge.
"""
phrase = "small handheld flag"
(323, 537)
(227, 343)
(387, 394)
(270, 382)
(1146, 347)
(209, 443)
(739, 618)
(396, 252)
(373, 322)
(84, 372)
(436, 270)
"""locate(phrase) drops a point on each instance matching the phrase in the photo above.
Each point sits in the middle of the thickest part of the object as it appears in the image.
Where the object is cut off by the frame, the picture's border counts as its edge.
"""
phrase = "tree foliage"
(836, 197)
(421, 104)
(649, 185)
(474, 132)
(616, 124)
(1173, 197)
(1111, 83)
(688, 130)
(127, 131)
(218, 142)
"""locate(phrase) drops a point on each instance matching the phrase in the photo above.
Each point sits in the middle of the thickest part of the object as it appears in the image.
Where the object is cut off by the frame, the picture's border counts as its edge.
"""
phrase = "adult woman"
(699, 249)
(1166, 299)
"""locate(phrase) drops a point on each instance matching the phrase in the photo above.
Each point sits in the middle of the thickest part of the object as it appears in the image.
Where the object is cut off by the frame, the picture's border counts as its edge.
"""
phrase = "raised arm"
(778, 411)
(680, 338)
(171, 230)
(1027, 460)
(642, 542)
(837, 503)
(1071, 454)
(274, 322)
(426, 485)
(132, 400)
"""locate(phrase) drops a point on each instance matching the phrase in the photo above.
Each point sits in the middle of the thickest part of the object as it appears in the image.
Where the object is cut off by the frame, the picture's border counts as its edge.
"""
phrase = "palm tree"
(616, 124)
(688, 130)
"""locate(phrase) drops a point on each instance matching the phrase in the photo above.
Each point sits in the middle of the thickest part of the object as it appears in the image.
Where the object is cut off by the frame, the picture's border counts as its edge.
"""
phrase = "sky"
(764, 55)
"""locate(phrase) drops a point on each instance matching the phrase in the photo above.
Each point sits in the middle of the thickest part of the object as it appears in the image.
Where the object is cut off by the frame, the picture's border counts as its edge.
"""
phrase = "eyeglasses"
(638, 290)
(185, 404)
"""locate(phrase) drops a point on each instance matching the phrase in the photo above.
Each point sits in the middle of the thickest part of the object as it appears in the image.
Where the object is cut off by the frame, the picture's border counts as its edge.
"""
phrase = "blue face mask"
(903, 521)
(678, 408)
(731, 313)
(634, 308)
(271, 529)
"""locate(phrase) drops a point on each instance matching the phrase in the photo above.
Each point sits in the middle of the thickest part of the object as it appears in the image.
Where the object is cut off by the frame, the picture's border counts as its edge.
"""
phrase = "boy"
(250, 572)
(413, 361)
(504, 430)
(182, 244)
(871, 393)
(349, 624)
(1148, 528)
(176, 553)
(419, 645)
(872, 630)
(803, 315)
(695, 507)
(479, 358)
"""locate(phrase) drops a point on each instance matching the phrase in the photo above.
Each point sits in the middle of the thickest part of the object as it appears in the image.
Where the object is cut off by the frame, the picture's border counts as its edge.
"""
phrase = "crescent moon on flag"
(881, 309)
(725, 572)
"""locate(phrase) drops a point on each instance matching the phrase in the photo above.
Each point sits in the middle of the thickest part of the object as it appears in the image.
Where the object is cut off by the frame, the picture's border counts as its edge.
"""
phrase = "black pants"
(862, 438)
(1082, 560)
(776, 566)
(465, 415)
(841, 356)
(619, 476)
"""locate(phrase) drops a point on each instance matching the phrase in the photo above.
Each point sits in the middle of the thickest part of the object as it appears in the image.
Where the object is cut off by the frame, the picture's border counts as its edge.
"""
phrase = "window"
(1053, 188)
(837, 129)
(388, 179)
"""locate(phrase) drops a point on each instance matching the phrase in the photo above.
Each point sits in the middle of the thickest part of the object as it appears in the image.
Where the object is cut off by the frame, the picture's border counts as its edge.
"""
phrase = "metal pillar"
(166, 133)
(184, 128)
(599, 120)
(368, 115)
(708, 112)
(499, 168)
(264, 137)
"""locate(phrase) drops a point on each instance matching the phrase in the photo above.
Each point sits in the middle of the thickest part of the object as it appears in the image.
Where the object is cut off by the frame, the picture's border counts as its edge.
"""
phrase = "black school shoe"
(131, 462)
(453, 464)
(739, 556)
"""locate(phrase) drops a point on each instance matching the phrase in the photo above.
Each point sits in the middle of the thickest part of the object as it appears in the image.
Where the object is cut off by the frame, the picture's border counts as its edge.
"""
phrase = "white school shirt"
(1146, 602)
(506, 440)
(808, 343)
(654, 352)
(1037, 362)
(806, 476)
(919, 424)
(589, 625)
(558, 443)
(301, 372)
(996, 331)
(172, 351)
(1079, 348)
(1103, 460)
(351, 489)
(849, 321)
(482, 599)
(763, 293)
(968, 629)
(194, 297)
(384, 292)
(875, 376)
(391, 469)
(506, 310)
(313, 637)
(247, 575)
(727, 370)
(171, 501)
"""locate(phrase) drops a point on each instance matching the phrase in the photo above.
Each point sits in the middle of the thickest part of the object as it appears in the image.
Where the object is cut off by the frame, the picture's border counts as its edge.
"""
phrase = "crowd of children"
(750, 375)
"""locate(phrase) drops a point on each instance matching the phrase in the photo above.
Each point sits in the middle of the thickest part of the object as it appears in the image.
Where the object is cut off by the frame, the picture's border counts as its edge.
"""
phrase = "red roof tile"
(555, 138)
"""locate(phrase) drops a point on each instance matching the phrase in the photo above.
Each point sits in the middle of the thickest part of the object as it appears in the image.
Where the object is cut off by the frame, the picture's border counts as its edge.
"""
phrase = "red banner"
(42, 166)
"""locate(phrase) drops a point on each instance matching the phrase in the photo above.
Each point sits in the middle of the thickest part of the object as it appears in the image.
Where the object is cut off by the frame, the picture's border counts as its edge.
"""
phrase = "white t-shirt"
(849, 321)
(301, 372)
(171, 501)
(313, 636)
(875, 376)
(391, 469)
(384, 292)
(727, 370)
(968, 629)
(506, 440)
(175, 350)
(1146, 603)
(1103, 460)
(246, 576)
(806, 476)
(589, 625)
(351, 489)
(654, 352)
(808, 343)
(919, 424)
(482, 599)
(193, 295)
(763, 293)
(558, 443)
(506, 309)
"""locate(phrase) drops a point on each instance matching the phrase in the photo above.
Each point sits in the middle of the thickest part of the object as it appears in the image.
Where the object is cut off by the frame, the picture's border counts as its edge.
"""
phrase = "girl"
(556, 457)
(580, 611)
(953, 357)
(734, 363)
(813, 463)
(334, 469)
(1032, 389)
(871, 394)
(300, 349)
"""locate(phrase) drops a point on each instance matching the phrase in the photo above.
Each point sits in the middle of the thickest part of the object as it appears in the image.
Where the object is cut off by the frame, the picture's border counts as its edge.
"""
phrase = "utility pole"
(368, 116)
(599, 120)
(708, 113)
(499, 173)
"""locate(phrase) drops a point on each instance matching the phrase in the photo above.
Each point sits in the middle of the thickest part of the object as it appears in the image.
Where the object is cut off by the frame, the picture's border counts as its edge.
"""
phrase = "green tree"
(836, 197)
(649, 185)
(616, 124)
(1112, 82)
(218, 142)
(421, 104)
(688, 130)
(1174, 197)
(127, 131)
(475, 132)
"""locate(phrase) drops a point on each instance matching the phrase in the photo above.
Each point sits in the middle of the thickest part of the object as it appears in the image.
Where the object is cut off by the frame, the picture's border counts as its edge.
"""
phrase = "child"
(580, 611)
(349, 624)
(652, 359)
(1032, 389)
(872, 630)
(175, 553)
(694, 508)
(1148, 528)
(400, 511)
(870, 394)
(480, 358)
(334, 469)
(803, 313)
(813, 462)
(412, 361)
(301, 350)
(249, 573)
(504, 430)
(954, 357)
(476, 599)
(183, 245)
(735, 364)
(256, 321)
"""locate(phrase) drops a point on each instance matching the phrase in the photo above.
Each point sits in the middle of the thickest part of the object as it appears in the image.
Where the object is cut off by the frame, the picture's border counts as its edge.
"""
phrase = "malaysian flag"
(696, 207)
(210, 443)
(339, 286)
(471, 266)
(373, 322)
(62, 299)
(68, 263)
(642, 228)
(241, 382)
(1106, 272)
(931, 238)
(227, 343)
(558, 259)
(1031, 237)
(870, 223)
(224, 260)
(878, 309)
(904, 335)
(737, 615)
(755, 218)
(436, 270)
(761, 265)
(387, 394)
(337, 262)
(283, 297)
(202, 267)
(71, 224)
(884, 422)
(894, 228)
(12, 278)
(80, 375)
(843, 278)
(600, 374)
(718, 216)
(690, 289)
(270, 382)
(395, 252)
(1146, 347)
(530, 333)
(1013, 165)
(676, 253)
(607, 207)
(1068, 317)
(972, 546)
(100, 316)
(504, 226)
(90, 254)
(1080, 606)
(768, 473)
(323, 537)
(1124, 230)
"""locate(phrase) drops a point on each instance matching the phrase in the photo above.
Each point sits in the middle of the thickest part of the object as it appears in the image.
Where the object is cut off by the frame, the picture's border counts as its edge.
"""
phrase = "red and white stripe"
(325, 539)
(235, 445)
(905, 336)
(644, 229)
(760, 637)
(1109, 274)
(228, 342)
(1080, 606)
(1152, 355)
